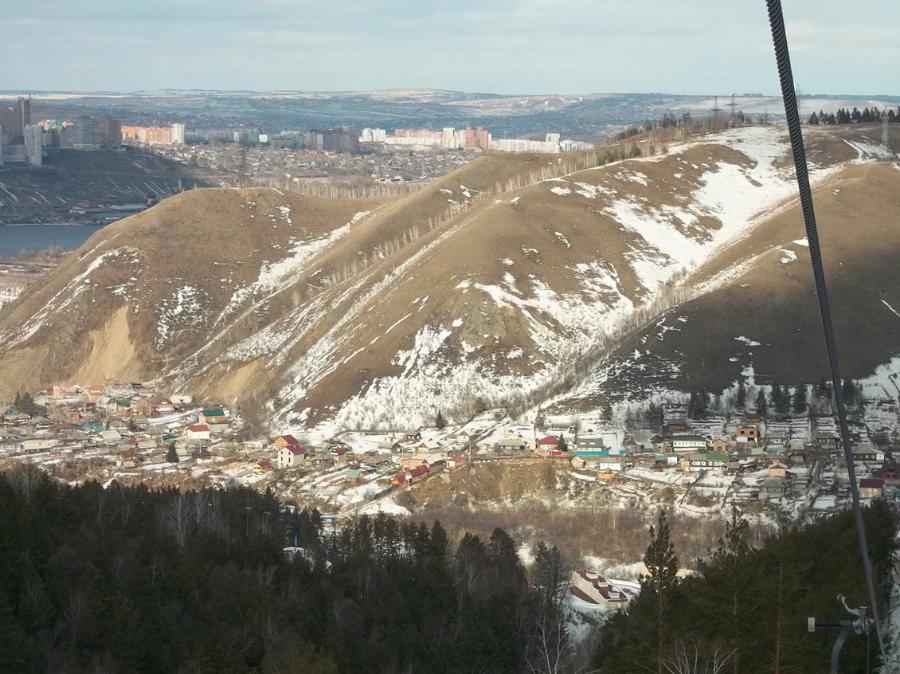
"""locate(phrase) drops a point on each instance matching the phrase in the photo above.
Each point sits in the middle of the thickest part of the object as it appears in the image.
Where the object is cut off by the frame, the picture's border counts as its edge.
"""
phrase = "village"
(767, 466)
(762, 463)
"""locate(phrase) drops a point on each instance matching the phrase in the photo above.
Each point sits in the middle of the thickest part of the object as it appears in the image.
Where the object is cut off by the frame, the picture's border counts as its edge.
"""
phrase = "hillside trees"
(744, 609)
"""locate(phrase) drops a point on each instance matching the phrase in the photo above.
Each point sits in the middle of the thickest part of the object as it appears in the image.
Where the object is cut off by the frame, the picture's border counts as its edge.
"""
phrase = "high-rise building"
(86, 133)
(34, 145)
(110, 133)
(178, 134)
(332, 140)
(15, 118)
(477, 139)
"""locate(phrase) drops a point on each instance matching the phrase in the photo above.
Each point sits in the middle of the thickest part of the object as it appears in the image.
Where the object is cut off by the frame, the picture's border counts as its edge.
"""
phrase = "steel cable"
(785, 74)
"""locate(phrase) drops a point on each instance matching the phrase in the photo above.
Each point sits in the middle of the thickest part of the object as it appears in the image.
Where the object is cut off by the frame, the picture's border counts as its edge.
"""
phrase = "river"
(35, 238)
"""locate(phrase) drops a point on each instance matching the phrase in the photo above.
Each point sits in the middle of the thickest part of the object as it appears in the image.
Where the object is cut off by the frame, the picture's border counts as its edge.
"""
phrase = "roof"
(871, 483)
(689, 438)
(295, 449)
(198, 428)
(289, 439)
(549, 440)
(214, 412)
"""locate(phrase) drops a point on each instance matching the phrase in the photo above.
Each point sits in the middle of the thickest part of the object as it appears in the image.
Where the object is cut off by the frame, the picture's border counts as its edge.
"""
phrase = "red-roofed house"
(871, 487)
(198, 432)
(286, 441)
(417, 472)
(591, 587)
(290, 456)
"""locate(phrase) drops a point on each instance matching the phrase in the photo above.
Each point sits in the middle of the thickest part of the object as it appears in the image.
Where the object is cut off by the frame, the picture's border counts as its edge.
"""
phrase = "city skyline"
(505, 47)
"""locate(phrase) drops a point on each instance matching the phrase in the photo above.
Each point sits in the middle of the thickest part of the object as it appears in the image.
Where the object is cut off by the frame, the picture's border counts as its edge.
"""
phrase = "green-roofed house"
(212, 415)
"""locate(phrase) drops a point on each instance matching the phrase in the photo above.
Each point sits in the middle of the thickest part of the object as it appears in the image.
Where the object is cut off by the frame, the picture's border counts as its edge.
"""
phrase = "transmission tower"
(732, 108)
(715, 110)
(243, 177)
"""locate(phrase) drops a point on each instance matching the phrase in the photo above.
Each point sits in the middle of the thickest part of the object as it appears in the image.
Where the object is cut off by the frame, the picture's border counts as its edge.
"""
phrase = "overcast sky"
(503, 46)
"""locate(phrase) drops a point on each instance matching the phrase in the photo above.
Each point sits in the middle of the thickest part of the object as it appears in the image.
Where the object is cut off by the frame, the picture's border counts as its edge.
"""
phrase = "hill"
(755, 310)
(495, 285)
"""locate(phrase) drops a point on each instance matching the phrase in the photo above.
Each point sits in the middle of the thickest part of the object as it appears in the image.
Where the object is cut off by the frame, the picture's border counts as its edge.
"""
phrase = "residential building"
(591, 587)
(34, 144)
(110, 133)
(290, 456)
(178, 134)
(871, 487)
(688, 443)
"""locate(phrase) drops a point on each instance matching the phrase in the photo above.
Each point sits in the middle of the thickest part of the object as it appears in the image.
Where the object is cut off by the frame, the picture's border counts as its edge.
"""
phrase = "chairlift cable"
(785, 74)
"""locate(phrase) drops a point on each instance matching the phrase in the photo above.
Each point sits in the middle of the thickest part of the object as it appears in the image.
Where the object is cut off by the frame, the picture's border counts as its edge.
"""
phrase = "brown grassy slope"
(858, 214)
(212, 239)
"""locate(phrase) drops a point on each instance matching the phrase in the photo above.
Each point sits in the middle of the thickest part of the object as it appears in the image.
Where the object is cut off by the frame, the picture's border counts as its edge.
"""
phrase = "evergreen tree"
(171, 454)
(439, 421)
(740, 400)
(762, 405)
(814, 119)
(548, 644)
(799, 404)
(662, 568)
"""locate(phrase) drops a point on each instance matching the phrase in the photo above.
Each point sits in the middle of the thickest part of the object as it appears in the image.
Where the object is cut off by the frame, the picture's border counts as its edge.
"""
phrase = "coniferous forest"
(128, 579)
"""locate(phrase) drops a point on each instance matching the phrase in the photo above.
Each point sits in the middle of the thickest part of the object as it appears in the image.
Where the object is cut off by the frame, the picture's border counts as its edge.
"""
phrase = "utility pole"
(885, 139)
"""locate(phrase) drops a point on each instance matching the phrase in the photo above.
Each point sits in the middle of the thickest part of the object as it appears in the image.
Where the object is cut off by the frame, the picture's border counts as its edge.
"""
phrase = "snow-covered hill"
(492, 286)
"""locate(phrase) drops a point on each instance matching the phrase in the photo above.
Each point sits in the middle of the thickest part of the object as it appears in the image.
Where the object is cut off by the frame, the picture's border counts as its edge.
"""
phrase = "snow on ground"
(787, 255)
(386, 506)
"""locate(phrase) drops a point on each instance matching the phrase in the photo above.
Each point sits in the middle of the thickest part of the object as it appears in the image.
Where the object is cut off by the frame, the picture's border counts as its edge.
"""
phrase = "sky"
(498, 46)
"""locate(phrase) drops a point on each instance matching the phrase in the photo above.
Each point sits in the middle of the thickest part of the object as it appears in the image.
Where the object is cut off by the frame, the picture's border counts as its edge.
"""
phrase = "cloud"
(515, 46)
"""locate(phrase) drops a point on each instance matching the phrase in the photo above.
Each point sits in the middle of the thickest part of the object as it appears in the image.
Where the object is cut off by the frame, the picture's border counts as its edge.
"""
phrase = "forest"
(128, 579)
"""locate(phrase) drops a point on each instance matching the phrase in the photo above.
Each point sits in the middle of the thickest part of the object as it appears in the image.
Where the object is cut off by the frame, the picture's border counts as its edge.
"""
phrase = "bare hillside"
(496, 282)
(756, 311)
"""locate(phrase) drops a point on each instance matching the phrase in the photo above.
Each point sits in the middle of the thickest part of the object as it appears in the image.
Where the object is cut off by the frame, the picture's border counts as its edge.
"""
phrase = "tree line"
(854, 116)
(129, 579)
(132, 579)
(746, 609)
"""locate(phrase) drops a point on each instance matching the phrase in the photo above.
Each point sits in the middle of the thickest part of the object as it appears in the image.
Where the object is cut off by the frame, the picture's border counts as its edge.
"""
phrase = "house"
(871, 487)
(719, 446)
(289, 457)
(777, 471)
(198, 433)
(415, 436)
(548, 443)
(865, 453)
(410, 462)
(212, 415)
(688, 443)
(398, 480)
(128, 459)
(110, 437)
(262, 466)
(705, 461)
(606, 463)
(456, 462)
(675, 426)
(772, 488)
(592, 588)
(285, 441)
(353, 476)
(512, 443)
(748, 434)
(418, 472)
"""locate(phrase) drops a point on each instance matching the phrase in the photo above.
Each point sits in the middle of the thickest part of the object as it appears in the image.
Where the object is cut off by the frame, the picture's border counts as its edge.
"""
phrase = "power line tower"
(243, 177)
(885, 138)
(732, 109)
(715, 111)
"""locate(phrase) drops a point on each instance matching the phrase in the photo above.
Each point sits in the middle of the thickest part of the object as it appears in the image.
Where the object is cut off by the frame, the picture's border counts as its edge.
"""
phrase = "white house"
(198, 433)
(290, 456)
(688, 443)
